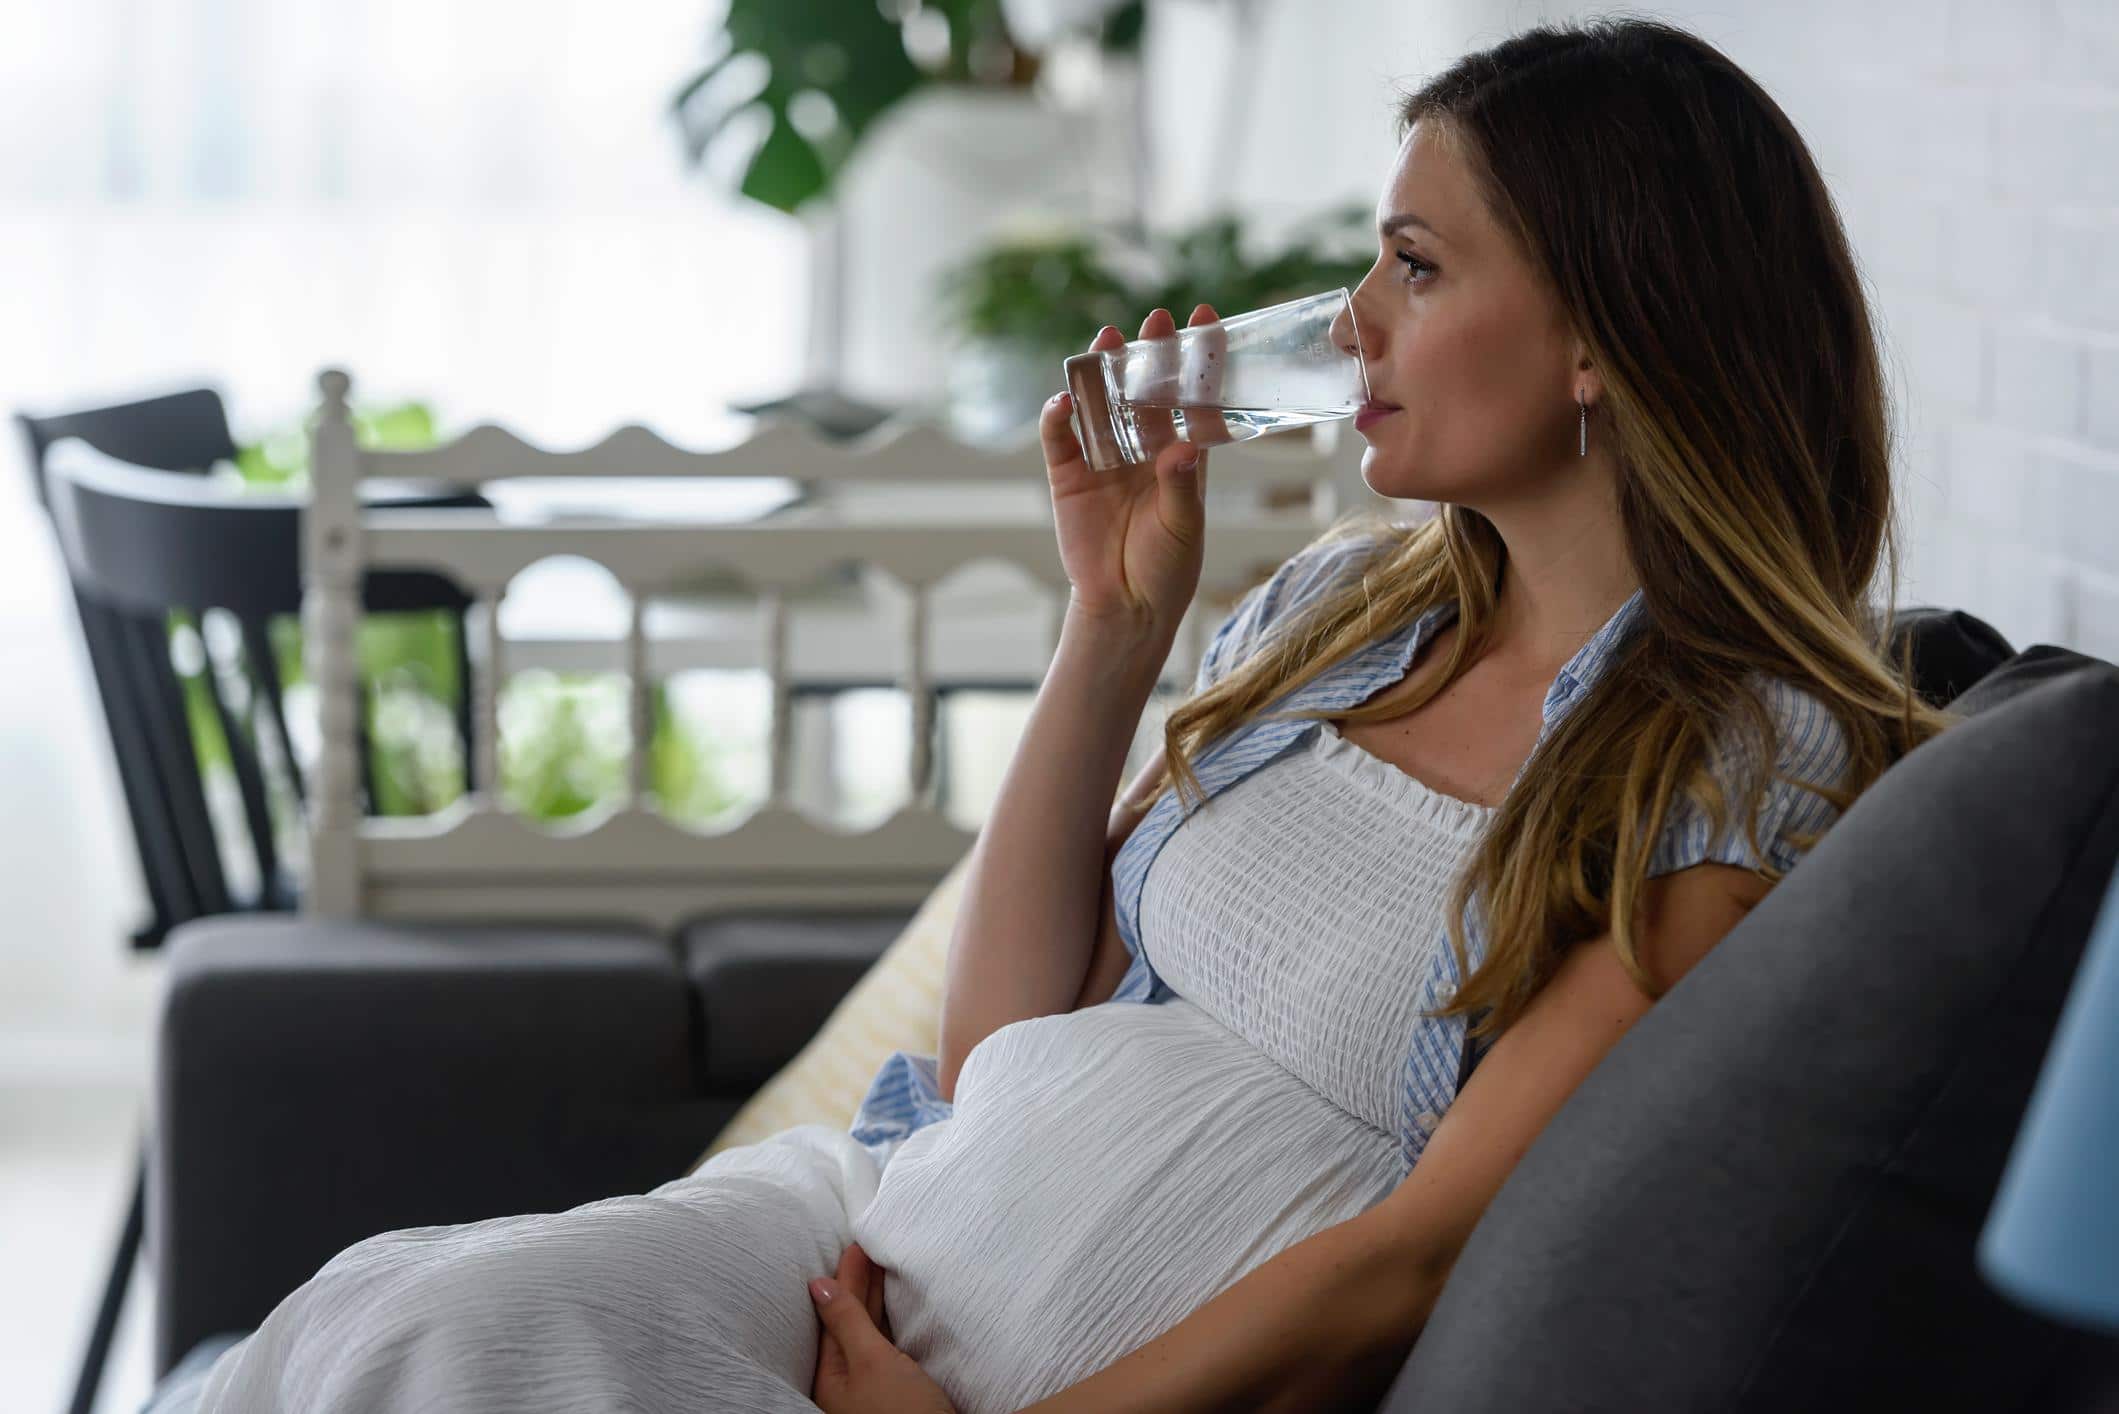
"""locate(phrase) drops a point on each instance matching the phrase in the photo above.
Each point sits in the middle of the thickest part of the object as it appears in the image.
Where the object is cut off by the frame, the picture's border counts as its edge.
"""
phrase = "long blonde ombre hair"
(1680, 221)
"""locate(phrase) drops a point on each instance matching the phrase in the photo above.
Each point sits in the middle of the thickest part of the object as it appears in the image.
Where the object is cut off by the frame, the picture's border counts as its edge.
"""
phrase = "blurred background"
(564, 216)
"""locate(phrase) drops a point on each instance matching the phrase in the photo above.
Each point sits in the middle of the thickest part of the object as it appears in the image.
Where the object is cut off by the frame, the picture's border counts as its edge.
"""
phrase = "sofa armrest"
(318, 1082)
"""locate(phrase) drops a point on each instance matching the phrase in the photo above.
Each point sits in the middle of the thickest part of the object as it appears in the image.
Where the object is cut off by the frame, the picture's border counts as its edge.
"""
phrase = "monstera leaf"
(835, 65)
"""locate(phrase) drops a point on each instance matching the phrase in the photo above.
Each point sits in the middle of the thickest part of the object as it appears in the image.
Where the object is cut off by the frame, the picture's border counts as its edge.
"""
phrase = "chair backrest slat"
(265, 672)
(160, 702)
(244, 762)
(170, 895)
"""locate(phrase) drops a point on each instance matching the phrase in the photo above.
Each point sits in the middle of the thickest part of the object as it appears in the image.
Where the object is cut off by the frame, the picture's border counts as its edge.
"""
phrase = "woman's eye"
(1413, 265)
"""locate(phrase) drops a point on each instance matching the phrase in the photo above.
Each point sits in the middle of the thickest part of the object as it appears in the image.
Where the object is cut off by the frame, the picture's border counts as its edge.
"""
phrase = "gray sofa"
(1766, 1198)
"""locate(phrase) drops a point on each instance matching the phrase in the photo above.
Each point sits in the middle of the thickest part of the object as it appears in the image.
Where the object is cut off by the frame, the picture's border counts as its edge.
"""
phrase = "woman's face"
(1461, 338)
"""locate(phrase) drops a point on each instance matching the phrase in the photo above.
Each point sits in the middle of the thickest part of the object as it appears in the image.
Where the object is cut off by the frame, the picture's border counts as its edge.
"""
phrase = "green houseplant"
(1024, 303)
(895, 132)
(816, 74)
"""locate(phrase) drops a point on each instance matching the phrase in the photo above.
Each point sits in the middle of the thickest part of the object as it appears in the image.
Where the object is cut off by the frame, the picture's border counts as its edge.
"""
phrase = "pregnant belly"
(1105, 1173)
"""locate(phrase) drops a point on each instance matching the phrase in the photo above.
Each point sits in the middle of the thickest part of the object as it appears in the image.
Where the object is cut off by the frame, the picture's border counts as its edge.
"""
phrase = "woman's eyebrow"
(1391, 225)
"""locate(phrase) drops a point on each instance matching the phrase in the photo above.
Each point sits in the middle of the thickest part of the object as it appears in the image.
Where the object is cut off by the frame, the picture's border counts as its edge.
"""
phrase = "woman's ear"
(1587, 386)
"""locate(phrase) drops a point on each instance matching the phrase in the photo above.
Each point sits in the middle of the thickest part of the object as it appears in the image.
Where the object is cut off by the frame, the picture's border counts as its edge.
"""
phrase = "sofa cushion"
(1767, 1196)
(763, 983)
(319, 1080)
(896, 1005)
(1951, 649)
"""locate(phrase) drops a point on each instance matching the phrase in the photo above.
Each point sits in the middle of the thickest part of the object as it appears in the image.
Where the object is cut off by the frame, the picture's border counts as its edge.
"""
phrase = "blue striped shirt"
(1440, 1056)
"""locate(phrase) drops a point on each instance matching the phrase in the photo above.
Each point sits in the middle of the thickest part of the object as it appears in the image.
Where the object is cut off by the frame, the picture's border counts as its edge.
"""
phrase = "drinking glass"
(1287, 365)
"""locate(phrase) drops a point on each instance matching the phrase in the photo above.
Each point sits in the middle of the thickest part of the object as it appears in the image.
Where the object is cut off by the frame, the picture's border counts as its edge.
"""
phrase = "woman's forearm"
(1322, 1325)
(1028, 918)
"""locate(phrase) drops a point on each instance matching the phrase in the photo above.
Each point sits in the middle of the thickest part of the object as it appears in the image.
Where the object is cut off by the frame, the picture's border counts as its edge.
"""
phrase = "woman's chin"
(1389, 476)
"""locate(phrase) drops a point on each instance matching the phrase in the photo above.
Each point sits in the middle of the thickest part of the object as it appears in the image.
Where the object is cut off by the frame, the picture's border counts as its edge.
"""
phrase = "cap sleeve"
(1812, 751)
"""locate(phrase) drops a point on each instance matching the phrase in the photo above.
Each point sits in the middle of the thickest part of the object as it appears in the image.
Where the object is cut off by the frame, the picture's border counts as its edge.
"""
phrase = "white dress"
(1104, 1172)
(1108, 1171)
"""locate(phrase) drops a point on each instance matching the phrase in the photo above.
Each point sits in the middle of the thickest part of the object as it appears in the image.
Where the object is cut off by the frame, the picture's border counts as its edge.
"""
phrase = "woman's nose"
(1350, 333)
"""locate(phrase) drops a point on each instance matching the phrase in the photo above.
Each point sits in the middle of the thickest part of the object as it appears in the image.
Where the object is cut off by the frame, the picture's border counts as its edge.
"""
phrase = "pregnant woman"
(1226, 1078)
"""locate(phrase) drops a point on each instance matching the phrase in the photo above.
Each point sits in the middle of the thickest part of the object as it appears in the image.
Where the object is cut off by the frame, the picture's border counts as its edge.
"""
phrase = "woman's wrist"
(1132, 646)
(1134, 623)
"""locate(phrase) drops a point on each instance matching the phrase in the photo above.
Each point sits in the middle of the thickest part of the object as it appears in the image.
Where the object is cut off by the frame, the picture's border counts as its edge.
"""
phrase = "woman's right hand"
(1131, 540)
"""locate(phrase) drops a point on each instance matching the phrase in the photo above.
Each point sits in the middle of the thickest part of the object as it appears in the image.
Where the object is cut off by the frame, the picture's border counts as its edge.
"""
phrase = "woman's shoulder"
(1809, 743)
(1332, 558)
(1808, 751)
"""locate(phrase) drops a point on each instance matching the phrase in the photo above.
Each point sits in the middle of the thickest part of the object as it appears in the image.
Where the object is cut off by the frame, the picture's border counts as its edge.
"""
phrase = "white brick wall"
(1974, 150)
(1973, 147)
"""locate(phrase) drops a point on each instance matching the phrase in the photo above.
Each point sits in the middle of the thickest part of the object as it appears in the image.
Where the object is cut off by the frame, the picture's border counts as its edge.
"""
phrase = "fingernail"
(821, 1291)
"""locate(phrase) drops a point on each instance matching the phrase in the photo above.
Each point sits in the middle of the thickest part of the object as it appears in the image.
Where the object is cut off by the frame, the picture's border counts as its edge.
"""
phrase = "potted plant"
(900, 132)
(1015, 310)
(1020, 306)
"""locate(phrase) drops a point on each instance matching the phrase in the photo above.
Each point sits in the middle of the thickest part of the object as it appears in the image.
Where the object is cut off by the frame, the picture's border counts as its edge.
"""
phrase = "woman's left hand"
(858, 1370)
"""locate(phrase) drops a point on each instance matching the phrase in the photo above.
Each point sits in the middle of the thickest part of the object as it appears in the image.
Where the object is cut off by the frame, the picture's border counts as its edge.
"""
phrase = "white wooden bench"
(908, 504)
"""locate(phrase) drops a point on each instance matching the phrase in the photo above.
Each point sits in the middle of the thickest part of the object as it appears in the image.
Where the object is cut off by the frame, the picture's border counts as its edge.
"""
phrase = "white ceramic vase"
(995, 388)
(937, 178)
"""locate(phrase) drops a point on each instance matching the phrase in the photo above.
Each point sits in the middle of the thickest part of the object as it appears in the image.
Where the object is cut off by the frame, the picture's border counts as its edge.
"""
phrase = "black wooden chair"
(146, 535)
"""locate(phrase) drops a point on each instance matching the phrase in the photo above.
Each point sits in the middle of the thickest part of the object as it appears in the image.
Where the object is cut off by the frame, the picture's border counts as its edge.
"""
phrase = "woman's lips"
(1372, 412)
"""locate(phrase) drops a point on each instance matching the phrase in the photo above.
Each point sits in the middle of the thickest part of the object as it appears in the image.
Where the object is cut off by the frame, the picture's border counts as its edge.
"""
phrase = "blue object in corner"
(2051, 1241)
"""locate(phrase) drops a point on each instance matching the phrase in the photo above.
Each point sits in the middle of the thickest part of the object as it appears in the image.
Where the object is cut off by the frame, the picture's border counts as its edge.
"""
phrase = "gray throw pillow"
(1768, 1195)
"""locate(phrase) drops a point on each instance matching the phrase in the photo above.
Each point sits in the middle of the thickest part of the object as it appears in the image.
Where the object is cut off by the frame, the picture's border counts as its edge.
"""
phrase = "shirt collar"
(1576, 676)
(1581, 672)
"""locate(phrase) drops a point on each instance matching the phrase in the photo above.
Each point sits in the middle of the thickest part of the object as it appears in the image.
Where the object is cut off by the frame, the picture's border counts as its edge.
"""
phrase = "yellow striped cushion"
(896, 1006)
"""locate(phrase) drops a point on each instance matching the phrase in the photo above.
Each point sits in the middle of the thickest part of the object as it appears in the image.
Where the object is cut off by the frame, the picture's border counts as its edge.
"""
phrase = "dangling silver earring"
(1585, 425)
